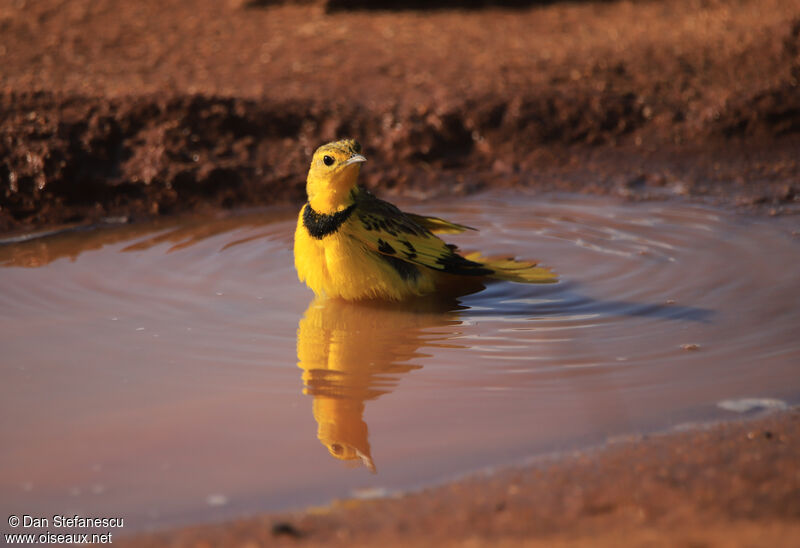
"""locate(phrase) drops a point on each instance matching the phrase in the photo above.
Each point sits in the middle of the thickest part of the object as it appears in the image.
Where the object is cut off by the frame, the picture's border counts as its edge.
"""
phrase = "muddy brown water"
(177, 372)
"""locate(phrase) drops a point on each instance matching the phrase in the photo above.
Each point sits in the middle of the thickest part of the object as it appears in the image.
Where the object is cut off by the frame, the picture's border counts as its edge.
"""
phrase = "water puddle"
(177, 372)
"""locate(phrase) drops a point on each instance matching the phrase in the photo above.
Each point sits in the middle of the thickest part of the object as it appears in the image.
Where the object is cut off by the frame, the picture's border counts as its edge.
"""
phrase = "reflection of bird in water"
(351, 353)
(351, 245)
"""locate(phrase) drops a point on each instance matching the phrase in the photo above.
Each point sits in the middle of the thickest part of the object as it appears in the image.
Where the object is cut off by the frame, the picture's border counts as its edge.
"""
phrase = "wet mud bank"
(645, 99)
(731, 484)
(78, 159)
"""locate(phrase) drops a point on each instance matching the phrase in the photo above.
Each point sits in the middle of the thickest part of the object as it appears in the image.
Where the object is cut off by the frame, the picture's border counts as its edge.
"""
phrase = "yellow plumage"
(348, 359)
(351, 245)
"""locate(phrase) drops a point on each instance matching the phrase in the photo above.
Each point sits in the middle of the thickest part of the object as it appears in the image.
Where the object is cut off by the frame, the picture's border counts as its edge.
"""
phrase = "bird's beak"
(354, 159)
(366, 459)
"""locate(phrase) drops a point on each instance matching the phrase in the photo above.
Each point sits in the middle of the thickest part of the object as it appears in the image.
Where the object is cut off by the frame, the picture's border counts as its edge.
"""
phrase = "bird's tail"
(515, 271)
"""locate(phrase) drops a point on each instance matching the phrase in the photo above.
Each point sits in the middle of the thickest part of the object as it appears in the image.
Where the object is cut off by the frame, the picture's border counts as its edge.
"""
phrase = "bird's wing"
(437, 225)
(383, 228)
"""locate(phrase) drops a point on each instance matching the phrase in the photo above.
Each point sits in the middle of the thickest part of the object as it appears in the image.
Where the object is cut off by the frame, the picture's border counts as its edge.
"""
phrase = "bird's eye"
(327, 160)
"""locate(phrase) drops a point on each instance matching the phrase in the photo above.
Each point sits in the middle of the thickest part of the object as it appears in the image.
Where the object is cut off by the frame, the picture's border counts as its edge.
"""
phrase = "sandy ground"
(733, 484)
(131, 109)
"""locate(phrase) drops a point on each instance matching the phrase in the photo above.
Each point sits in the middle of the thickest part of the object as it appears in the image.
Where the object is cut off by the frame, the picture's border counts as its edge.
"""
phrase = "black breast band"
(320, 225)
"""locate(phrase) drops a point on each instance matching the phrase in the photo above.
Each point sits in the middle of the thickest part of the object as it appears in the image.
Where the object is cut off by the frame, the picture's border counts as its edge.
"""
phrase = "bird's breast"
(320, 225)
(338, 265)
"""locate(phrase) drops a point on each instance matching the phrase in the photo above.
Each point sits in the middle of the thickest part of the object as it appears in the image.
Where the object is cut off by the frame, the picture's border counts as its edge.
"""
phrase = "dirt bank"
(733, 484)
(131, 109)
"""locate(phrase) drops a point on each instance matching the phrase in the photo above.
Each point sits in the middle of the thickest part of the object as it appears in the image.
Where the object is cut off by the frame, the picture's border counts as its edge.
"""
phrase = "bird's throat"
(330, 195)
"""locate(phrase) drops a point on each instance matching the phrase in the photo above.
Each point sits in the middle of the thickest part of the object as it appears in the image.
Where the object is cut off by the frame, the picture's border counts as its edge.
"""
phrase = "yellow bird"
(350, 357)
(351, 245)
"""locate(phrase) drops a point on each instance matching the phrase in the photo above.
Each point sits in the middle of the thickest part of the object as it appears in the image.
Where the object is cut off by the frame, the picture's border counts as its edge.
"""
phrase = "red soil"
(729, 485)
(111, 108)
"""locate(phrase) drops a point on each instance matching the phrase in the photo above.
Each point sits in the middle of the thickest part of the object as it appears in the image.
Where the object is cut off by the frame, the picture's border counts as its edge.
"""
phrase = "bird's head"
(333, 173)
(342, 451)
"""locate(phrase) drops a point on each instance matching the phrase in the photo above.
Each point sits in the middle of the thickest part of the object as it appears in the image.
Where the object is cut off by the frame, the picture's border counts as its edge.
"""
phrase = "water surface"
(177, 372)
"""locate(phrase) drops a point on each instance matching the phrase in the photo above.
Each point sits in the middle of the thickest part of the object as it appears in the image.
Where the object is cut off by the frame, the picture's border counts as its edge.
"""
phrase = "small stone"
(283, 528)
(216, 500)
(746, 405)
